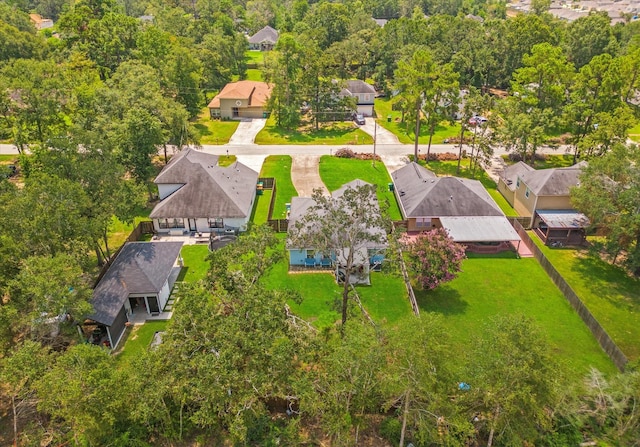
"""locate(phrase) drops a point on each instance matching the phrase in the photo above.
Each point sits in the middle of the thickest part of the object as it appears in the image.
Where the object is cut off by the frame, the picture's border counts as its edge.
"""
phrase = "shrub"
(448, 156)
(345, 152)
(390, 429)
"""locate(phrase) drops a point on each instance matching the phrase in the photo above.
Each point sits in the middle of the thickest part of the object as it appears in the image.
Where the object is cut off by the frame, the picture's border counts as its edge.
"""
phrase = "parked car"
(359, 118)
(475, 120)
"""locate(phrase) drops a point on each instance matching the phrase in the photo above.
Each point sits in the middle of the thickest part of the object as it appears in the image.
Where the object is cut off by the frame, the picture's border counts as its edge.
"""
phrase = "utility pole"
(375, 134)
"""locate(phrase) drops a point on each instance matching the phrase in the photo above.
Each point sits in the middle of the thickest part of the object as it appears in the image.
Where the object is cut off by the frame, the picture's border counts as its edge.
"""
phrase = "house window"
(526, 193)
(171, 223)
(423, 222)
(366, 97)
(311, 254)
(216, 222)
(518, 183)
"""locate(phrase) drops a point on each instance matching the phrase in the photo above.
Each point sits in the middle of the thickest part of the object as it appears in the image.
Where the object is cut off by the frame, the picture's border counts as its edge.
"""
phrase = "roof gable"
(208, 190)
(140, 267)
(266, 34)
(356, 86)
(255, 92)
(554, 181)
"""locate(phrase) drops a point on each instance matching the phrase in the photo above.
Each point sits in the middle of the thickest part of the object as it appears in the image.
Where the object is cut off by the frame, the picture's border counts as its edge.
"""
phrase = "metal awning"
(479, 229)
(568, 219)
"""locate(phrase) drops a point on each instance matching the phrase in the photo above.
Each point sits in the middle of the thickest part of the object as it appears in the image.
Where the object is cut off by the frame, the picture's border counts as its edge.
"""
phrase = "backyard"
(335, 172)
(278, 167)
(612, 296)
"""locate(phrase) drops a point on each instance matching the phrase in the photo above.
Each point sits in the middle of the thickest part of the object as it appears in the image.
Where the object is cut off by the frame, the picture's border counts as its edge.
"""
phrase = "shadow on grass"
(443, 300)
(202, 129)
(182, 273)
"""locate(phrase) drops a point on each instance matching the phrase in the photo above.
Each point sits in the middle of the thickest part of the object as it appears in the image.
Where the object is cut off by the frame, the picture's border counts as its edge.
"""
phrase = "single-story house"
(241, 99)
(528, 190)
(198, 195)
(139, 280)
(462, 206)
(368, 255)
(264, 40)
(40, 22)
(363, 93)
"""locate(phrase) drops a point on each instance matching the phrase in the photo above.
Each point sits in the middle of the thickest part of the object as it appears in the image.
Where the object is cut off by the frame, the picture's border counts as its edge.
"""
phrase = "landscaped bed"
(490, 286)
(612, 296)
(335, 172)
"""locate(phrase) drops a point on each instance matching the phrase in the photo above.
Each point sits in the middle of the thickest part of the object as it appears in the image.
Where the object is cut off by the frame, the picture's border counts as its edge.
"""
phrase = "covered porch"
(557, 228)
(482, 234)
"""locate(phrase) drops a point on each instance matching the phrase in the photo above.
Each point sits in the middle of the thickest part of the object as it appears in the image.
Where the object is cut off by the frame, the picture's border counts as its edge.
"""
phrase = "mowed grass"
(214, 131)
(442, 131)
(612, 296)
(196, 264)
(550, 161)
(385, 300)
(492, 286)
(226, 160)
(260, 213)
(139, 340)
(634, 133)
(119, 231)
(335, 172)
(8, 159)
(450, 168)
(334, 133)
(254, 57)
(254, 74)
(279, 167)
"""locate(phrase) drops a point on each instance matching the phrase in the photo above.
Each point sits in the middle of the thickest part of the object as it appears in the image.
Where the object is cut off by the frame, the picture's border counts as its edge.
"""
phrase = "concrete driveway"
(247, 131)
(383, 136)
(305, 175)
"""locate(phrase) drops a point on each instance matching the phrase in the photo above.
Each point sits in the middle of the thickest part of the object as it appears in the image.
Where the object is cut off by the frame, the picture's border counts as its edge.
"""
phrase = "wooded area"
(118, 80)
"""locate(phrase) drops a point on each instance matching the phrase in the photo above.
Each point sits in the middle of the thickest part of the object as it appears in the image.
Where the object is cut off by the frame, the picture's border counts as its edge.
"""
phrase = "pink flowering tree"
(434, 258)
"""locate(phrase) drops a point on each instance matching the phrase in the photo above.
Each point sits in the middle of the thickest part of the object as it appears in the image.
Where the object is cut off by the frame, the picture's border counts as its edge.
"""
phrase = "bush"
(348, 153)
(390, 429)
(448, 156)
(345, 152)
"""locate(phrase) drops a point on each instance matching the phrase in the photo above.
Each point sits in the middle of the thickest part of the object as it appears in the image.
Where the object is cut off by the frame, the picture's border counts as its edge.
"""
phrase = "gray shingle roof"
(511, 173)
(140, 267)
(355, 86)
(553, 182)
(266, 34)
(423, 194)
(208, 190)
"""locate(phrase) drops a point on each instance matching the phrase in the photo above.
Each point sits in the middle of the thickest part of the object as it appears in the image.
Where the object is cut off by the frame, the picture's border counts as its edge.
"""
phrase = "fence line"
(608, 345)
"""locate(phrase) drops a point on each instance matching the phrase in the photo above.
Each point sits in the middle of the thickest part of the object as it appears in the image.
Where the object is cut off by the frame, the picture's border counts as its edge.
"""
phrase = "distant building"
(39, 22)
(242, 99)
(264, 40)
(363, 93)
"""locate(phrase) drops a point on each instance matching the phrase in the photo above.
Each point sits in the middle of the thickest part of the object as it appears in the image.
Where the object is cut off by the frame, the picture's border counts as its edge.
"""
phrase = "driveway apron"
(305, 175)
(247, 131)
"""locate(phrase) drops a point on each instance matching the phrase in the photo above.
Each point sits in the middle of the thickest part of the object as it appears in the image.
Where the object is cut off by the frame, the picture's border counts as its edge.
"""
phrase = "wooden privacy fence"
(605, 341)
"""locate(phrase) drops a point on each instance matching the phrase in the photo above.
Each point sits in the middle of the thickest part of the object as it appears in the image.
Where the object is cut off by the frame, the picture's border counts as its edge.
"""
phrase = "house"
(543, 196)
(462, 206)
(198, 195)
(138, 281)
(367, 255)
(363, 93)
(264, 40)
(40, 22)
(242, 99)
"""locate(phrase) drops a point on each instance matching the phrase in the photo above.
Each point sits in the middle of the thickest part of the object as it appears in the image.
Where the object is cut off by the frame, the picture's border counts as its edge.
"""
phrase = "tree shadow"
(444, 300)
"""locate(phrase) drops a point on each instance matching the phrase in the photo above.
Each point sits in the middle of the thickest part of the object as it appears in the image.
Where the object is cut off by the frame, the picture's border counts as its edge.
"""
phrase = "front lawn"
(443, 131)
(335, 172)
(8, 159)
(550, 161)
(335, 133)
(196, 264)
(279, 167)
(609, 293)
(450, 168)
(214, 131)
(139, 340)
(490, 286)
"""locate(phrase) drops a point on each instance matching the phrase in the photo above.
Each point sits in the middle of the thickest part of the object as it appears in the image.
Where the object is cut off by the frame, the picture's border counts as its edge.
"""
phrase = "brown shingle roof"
(208, 190)
(256, 92)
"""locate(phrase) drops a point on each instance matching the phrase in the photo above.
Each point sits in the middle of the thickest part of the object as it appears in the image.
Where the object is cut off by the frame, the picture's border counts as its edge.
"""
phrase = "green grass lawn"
(442, 131)
(609, 293)
(214, 131)
(279, 167)
(330, 133)
(254, 74)
(335, 172)
(254, 57)
(139, 340)
(119, 231)
(634, 133)
(450, 168)
(489, 286)
(196, 264)
(8, 159)
(260, 212)
(385, 299)
(226, 160)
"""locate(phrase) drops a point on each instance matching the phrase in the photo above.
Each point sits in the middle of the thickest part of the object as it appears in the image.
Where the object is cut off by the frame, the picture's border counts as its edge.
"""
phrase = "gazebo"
(561, 227)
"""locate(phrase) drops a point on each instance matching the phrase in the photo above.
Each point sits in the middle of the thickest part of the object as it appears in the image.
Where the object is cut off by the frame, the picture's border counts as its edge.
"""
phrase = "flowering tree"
(434, 258)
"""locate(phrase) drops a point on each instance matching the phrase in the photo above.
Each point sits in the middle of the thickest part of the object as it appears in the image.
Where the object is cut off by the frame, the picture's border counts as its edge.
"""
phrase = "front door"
(154, 307)
(192, 225)
(235, 112)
